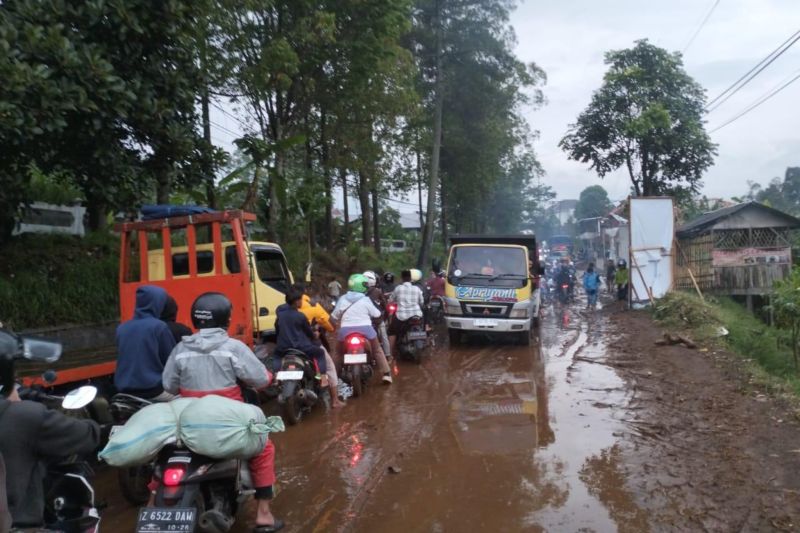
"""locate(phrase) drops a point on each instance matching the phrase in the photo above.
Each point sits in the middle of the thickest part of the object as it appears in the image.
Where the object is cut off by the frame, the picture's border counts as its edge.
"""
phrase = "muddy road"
(487, 435)
(591, 428)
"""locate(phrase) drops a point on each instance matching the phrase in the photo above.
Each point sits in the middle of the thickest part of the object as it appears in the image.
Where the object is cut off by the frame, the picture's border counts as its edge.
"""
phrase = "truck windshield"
(272, 269)
(488, 265)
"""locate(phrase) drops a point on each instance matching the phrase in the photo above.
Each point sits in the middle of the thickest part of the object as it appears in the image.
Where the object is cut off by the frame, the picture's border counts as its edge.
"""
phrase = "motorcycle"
(356, 368)
(299, 389)
(564, 294)
(69, 497)
(195, 490)
(414, 340)
(436, 310)
(133, 481)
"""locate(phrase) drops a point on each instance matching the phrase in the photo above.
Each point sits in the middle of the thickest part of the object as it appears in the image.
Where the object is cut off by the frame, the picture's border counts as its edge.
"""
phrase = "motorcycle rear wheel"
(356, 381)
(133, 483)
(293, 410)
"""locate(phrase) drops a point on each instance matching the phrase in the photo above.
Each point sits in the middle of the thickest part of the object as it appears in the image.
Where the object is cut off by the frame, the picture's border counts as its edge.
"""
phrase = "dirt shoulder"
(704, 451)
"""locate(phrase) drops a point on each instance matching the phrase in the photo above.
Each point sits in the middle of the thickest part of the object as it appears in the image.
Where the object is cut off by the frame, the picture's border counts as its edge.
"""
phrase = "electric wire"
(752, 73)
(774, 91)
(703, 23)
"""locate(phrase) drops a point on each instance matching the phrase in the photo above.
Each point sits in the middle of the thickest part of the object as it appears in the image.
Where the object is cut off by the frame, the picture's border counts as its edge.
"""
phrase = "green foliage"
(785, 302)
(49, 280)
(780, 194)
(593, 202)
(648, 117)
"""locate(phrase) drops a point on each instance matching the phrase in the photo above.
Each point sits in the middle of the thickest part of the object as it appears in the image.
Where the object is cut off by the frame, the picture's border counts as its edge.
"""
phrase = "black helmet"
(211, 310)
(622, 263)
(388, 277)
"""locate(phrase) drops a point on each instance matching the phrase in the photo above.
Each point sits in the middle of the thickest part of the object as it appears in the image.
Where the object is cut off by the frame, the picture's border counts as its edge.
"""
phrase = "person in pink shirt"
(436, 284)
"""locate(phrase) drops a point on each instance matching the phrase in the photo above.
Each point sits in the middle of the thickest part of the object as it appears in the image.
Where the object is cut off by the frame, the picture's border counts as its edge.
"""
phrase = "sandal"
(277, 526)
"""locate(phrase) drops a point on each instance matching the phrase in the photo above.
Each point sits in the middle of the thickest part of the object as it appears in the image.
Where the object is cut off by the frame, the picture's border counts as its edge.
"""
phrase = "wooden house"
(739, 250)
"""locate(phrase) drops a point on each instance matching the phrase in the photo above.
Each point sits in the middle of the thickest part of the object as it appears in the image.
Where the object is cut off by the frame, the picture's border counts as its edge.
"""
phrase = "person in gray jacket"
(31, 436)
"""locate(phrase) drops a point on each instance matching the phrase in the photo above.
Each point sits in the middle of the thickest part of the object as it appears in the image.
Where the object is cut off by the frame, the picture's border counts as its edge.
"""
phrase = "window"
(180, 263)
(232, 260)
(488, 265)
(272, 269)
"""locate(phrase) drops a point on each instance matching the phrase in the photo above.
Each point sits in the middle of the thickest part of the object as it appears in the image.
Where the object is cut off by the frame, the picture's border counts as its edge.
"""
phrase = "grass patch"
(50, 280)
(767, 348)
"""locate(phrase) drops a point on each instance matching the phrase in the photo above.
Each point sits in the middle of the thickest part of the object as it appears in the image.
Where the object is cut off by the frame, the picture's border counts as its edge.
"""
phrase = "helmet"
(388, 277)
(622, 263)
(357, 283)
(416, 275)
(372, 278)
(211, 310)
(441, 274)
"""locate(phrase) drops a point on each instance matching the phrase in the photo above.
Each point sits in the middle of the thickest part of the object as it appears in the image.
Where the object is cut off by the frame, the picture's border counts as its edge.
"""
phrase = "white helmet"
(416, 275)
(372, 278)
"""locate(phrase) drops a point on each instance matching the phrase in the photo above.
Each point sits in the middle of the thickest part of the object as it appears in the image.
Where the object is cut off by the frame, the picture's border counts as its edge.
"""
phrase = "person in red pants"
(210, 362)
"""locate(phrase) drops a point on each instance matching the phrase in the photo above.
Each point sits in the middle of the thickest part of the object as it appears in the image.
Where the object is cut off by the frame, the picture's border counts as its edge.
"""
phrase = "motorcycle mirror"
(35, 349)
(80, 397)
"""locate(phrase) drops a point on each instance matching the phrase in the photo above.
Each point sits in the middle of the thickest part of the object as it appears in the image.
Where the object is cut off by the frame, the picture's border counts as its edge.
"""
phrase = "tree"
(785, 302)
(593, 202)
(648, 117)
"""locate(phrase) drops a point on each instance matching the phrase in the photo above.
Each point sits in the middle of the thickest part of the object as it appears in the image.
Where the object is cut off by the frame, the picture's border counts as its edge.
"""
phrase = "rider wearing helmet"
(355, 312)
(33, 437)
(388, 283)
(410, 301)
(210, 362)
(375, 294)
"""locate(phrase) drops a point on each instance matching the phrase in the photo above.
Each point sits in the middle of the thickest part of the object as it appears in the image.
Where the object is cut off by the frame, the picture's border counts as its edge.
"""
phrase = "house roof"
(707, 221)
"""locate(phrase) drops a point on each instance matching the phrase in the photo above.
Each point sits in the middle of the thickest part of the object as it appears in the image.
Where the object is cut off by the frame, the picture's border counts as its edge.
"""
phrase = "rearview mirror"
(80, 397)
(43, 350)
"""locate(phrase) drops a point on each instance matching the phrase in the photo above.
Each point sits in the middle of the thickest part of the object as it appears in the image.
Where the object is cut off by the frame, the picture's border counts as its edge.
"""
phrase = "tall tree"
(593, 202)
(648, 117)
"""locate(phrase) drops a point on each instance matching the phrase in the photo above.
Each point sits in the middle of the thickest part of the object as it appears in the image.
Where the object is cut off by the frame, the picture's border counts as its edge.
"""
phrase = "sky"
(567, 39)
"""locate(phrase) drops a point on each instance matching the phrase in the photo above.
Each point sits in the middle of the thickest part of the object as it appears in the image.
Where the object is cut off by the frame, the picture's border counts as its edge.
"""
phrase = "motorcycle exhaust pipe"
(213, 520)
(308, 397)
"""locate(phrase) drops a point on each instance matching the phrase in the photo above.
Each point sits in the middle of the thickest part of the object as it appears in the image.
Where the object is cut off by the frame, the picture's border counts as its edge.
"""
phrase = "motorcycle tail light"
(173, 476)
(392, 308)
(565, 286)
(355, 341)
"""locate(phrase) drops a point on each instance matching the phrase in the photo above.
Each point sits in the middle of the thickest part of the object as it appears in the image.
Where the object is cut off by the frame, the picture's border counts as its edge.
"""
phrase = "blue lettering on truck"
(486, 294)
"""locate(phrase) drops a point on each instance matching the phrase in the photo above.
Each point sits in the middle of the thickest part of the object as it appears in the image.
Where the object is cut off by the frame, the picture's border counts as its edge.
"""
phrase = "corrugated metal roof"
(707, 220)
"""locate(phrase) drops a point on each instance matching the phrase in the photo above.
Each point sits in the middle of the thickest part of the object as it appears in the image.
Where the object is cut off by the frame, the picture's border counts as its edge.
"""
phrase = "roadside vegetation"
(766, 349)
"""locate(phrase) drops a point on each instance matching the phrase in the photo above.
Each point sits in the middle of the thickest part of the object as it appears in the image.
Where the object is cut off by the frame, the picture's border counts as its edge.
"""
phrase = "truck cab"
(492, 286)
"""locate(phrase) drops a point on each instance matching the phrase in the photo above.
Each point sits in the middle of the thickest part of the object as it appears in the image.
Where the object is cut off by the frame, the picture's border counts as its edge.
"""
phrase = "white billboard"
(652, 226)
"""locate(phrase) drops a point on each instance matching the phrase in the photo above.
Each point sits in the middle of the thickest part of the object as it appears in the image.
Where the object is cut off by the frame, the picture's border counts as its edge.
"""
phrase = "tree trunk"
(163, 188)
(419, 192)
(97, 213)
(343, 178)
(275, 230)
(444, 214)
(363, 199)
(433, 186)
(376, 222)
(326, 179)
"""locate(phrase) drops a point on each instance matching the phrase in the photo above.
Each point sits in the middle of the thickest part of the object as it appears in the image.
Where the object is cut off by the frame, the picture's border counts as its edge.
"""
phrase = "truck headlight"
(521, 312)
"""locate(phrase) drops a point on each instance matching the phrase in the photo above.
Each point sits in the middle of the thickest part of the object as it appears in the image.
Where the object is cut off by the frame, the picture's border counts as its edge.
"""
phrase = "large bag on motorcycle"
(222, 428)
(144, 434)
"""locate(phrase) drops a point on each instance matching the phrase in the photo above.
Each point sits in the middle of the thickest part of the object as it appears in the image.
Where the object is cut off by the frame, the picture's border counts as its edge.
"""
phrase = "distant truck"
(492, 285)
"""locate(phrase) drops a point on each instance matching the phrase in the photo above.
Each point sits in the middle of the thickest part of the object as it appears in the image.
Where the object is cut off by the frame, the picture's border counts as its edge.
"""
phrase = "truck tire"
(455, 336)
(524, 338)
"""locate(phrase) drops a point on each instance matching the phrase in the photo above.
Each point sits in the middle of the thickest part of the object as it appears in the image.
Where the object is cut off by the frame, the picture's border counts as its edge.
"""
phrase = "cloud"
(568, 40)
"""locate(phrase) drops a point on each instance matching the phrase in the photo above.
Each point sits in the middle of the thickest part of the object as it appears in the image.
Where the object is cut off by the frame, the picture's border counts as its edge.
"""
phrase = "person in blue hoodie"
(144, 344)
(294, 332)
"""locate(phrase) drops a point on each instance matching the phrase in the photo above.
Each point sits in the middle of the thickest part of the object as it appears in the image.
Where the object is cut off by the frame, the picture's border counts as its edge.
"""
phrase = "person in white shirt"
(409, 300)
(355, 313)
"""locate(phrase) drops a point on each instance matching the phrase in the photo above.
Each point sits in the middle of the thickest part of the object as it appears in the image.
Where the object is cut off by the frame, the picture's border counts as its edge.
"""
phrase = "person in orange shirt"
(316, 314)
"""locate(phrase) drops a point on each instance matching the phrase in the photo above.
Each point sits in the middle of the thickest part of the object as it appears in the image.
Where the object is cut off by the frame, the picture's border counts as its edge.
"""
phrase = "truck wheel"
(455, 337)
(524, 338)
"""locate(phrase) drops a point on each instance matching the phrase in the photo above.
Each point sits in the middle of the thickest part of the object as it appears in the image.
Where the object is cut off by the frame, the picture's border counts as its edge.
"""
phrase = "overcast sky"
(567, 39)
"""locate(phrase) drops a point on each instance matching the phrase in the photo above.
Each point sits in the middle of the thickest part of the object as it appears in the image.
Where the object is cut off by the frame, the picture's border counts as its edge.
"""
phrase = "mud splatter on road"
(559, 436)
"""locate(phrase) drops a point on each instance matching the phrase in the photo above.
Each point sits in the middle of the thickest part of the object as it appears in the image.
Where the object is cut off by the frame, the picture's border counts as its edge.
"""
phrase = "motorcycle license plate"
(486, 323)
(417, 335)
(355, 358)
(166, 520)
(289, 375)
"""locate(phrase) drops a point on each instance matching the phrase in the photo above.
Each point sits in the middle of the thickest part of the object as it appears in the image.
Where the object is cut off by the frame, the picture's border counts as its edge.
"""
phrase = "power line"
(703, 23)
(229, 115)
(226, 130)
(389, 199)
(760, 101)
(752, 73)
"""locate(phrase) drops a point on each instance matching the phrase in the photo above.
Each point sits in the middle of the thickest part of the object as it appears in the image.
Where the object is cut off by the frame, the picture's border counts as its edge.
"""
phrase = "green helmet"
(357, 283)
